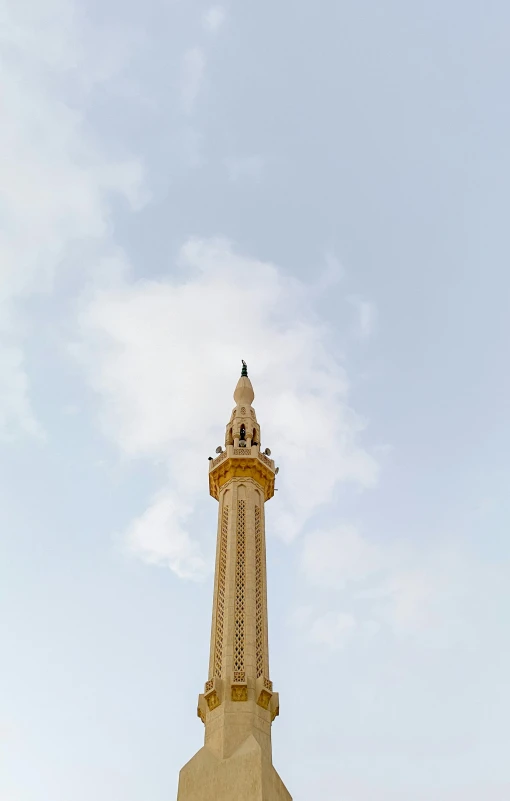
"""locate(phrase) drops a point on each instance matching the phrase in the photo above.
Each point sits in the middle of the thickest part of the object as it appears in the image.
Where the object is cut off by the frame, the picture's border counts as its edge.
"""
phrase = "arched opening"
(242, 433)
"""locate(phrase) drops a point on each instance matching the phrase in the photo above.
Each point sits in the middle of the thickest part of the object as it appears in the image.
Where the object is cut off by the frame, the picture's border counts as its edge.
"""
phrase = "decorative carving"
(220, 598)
(240, 590)
(239, 692)
(212, 700)
(200, 714)
(243, 410)
(209, 685)
(264, 699)
(275, 713)
(248, 467)
(259, 595)
(263, 458)
(268, 684)
(239, 676)
(219, 459)
(241, 450)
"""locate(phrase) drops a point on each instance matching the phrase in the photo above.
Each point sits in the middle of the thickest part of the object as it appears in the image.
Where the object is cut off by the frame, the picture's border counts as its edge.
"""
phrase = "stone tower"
(238, 704)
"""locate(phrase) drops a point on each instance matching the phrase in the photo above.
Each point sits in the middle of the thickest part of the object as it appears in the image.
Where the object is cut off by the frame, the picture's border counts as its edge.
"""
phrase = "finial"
(244, 371)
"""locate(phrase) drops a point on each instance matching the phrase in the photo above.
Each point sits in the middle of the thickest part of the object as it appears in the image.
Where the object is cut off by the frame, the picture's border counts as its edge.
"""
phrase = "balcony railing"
(246, 452)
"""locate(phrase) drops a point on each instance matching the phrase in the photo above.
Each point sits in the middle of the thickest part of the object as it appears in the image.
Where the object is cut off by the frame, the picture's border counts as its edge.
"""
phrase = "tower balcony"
(237, 462)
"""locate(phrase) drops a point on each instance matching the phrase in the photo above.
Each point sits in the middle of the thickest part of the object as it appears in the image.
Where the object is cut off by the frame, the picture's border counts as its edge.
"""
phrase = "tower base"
(247, 775)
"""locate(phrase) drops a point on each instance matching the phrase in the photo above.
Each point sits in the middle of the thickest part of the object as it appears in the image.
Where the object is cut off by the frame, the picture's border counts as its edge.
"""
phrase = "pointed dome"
(244, 393)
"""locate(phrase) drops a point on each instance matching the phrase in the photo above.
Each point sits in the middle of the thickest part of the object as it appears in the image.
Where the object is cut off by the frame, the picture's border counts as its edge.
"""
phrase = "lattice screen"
(220, 604)
(239, 617)
(259, 594)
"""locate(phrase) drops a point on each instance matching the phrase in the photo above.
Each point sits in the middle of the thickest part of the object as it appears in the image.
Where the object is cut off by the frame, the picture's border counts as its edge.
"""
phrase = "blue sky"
(322, 190)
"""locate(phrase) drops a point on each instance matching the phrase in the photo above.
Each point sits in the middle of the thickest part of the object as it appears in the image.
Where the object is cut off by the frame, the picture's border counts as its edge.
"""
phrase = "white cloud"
(158, 537)
(403, 586)
(214, 18)
(245, 167)
(332, 558)
(192, 75)
(15, 410)
(411, 594)
(55, 184)
(333, 629)
(334, 272)
(366, 316)
(164, 357)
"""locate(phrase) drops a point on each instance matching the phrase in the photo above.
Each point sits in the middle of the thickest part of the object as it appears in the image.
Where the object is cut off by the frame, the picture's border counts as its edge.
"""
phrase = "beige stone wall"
(247, 775)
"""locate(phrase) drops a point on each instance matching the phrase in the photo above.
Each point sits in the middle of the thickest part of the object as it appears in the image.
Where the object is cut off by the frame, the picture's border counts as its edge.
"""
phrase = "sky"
(320, 189)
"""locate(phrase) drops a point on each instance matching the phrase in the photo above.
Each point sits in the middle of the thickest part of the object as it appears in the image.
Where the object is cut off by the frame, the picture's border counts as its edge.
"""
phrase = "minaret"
(238, 704)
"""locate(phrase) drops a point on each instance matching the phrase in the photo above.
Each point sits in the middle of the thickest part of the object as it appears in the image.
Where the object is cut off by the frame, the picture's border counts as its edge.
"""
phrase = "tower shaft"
(239, 641)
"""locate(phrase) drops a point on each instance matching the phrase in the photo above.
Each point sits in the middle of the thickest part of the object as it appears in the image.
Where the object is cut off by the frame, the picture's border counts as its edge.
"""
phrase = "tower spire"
(243, 393)
(238, 705)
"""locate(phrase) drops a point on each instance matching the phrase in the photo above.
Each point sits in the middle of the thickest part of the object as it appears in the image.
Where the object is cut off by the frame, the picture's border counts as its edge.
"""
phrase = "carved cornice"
(241, 467)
